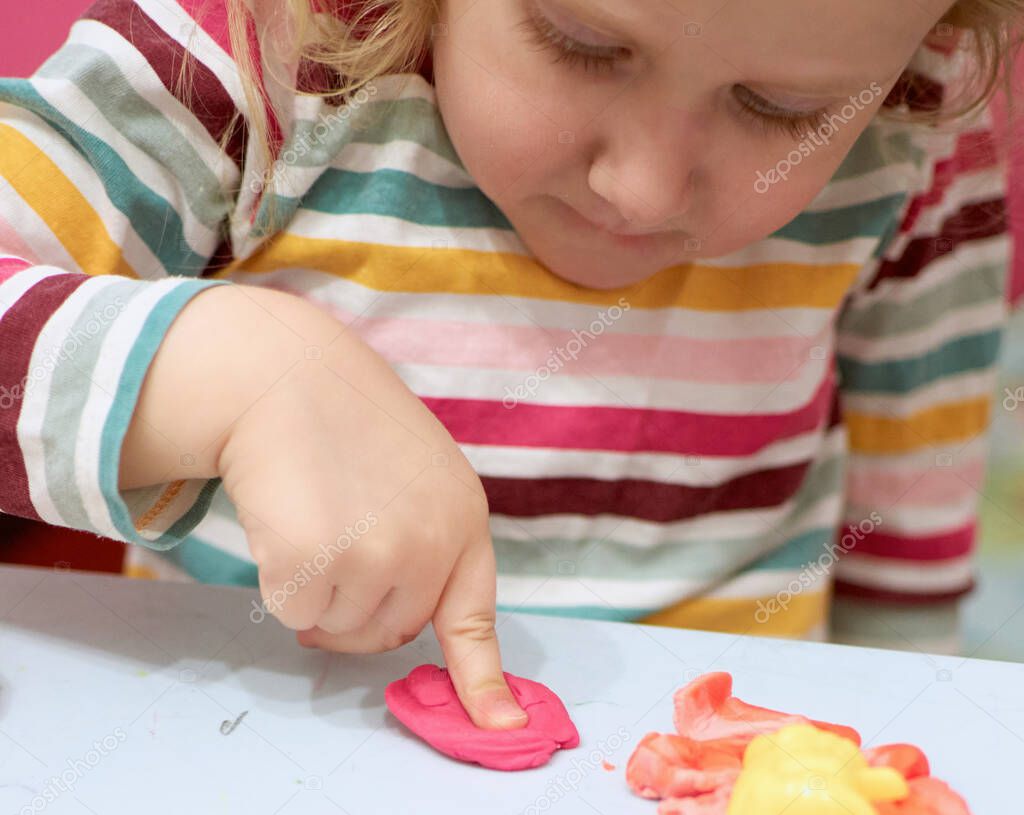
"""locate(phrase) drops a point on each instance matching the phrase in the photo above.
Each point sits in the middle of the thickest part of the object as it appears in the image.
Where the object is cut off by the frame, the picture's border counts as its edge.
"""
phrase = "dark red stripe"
(644, 500)
(209, 101)
(946, 546)
(901, 598)
(915, 90)
(19, 330)
(971, 222)
(222, 256)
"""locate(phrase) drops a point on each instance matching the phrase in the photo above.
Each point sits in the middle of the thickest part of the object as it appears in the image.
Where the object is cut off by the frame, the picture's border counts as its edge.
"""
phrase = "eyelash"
(770, 118)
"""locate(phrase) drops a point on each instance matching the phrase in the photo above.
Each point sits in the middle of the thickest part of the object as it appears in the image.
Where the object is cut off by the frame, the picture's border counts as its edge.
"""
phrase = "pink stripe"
(10, 267)
(528, 348)
(878, 485)
(946, 546)
(477, 421)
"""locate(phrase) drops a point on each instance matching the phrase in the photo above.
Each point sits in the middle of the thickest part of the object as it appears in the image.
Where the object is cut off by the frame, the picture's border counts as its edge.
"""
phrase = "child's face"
(665, 138)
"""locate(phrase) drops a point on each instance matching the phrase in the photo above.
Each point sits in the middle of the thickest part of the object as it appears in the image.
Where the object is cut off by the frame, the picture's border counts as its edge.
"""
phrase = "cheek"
(499, 138)
(495, 99)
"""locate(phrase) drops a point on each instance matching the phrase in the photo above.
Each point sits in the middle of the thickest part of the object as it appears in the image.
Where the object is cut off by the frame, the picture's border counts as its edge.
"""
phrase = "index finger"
(464, 624)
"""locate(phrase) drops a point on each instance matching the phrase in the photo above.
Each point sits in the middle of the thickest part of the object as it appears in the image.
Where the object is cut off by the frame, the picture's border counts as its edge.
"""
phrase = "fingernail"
(506, 713)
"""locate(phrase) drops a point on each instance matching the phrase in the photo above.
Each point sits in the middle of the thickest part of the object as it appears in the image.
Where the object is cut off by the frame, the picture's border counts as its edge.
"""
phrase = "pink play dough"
(426, 702)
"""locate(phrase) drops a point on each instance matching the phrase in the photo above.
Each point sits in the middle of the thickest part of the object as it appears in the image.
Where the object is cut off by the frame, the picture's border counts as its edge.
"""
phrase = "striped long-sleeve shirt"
(720, 446)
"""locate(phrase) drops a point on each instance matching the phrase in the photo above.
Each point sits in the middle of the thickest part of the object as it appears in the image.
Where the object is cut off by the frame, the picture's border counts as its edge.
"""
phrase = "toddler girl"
(684, 313)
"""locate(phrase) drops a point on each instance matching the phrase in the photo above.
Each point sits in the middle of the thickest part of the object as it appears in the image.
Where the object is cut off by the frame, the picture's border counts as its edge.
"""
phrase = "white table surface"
(114, 693)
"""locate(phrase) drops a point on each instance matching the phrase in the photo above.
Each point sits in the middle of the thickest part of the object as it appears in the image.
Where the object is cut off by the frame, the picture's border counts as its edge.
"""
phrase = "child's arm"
(114, 198)
(917, 353)
(125, 397)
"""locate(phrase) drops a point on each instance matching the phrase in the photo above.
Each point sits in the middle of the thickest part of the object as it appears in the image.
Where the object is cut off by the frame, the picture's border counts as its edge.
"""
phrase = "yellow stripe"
(462, 271)
(955, 422)
(61, 206)
(747, 615)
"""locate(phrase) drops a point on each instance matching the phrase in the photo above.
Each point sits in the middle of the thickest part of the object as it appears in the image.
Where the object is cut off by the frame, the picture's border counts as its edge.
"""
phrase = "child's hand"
(363, 516)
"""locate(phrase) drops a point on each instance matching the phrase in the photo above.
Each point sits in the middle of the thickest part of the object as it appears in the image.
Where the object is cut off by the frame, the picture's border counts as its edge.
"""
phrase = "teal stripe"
(883, 318)
(965, 354)
(153, 217)
(402, 195)
(871, 219)
(99, 78)
(605, 613)
(212, 565)
(115, 427)
(708, 559)
(70, 381)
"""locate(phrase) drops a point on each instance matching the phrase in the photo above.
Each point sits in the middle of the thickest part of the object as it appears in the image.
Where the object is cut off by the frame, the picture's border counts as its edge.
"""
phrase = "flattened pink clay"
(426, 702)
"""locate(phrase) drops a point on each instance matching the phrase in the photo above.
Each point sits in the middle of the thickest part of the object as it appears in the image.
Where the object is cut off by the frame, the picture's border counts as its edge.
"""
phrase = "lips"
(619, 230)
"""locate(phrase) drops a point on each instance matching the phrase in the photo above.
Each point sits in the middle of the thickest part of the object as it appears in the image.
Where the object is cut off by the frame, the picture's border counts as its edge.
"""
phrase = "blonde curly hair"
(390, 36)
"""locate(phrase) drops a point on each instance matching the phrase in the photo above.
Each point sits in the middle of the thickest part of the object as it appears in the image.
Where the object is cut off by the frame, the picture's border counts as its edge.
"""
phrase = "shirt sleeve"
(917, 349)
(116, 196)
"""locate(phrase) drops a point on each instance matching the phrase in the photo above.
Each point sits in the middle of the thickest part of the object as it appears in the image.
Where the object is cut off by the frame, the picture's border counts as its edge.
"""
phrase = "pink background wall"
(33, 30)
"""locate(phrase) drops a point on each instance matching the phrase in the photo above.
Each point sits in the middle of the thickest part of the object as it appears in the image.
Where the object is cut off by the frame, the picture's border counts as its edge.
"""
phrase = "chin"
(595, 274)
(603, 271)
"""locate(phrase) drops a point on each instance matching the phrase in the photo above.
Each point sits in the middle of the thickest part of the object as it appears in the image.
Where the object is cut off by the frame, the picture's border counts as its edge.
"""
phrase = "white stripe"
(491, 310)
(78, 171)
(500, 461)
(906, 518)
(46, 357)
(854, 251)
(391, 231)
(436, 381)
(533, 590)
(31, 228)
(953, 324)
(296, 180)
(908, 576)
(117, 345)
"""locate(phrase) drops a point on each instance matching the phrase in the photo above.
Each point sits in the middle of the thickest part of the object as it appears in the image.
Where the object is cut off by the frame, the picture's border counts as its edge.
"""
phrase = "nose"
(645, 169)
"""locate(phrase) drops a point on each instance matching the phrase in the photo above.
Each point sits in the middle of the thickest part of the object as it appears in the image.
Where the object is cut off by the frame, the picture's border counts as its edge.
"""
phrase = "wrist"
(226, 348)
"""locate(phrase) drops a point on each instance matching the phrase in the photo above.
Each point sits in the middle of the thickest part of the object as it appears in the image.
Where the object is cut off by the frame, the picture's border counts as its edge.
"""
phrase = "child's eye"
(771, 118)
(540, 31)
